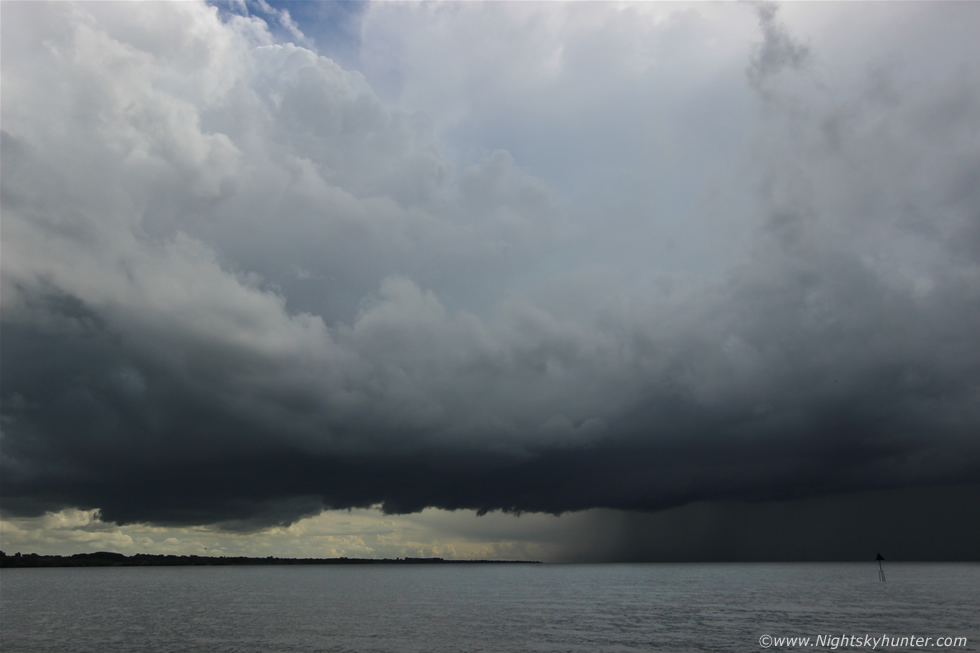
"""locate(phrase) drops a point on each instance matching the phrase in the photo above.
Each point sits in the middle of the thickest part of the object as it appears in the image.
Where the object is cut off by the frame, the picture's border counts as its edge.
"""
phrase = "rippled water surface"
(494, 608)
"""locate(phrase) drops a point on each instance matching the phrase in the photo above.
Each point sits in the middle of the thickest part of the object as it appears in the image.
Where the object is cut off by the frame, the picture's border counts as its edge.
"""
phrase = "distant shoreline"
(108, 559)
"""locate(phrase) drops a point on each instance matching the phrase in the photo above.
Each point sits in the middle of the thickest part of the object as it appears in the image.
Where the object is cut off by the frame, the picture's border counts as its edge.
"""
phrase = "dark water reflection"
(648, 607)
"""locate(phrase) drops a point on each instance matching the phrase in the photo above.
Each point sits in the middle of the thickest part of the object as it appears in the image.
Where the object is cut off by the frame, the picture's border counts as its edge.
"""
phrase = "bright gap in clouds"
(359, 533)
(650, 266)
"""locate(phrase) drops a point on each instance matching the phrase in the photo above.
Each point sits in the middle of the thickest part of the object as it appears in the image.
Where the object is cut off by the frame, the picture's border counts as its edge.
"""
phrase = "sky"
(565, 281)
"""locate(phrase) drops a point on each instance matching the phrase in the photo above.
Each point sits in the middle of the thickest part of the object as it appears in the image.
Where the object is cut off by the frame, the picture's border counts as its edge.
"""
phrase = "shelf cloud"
(595, 256)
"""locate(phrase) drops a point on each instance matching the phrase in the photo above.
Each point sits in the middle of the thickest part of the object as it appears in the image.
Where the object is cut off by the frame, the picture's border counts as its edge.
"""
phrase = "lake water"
(493, 608)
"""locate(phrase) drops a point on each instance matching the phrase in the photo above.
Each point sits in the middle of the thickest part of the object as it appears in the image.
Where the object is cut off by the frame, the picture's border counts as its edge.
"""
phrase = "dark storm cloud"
(217, 304)
(778, 49)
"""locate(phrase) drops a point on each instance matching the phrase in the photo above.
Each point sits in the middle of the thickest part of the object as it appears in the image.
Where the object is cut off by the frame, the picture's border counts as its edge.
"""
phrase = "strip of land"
(109, 559)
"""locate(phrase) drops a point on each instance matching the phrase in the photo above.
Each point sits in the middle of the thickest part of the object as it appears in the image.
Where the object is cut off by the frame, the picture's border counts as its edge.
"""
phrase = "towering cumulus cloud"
(241, 283)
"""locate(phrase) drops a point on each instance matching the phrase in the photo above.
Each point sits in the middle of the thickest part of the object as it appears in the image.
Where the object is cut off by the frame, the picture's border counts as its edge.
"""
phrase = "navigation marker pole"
(881, 572)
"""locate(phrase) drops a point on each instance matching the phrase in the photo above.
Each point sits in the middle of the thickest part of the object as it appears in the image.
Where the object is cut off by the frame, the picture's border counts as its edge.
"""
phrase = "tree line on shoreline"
(110, 559)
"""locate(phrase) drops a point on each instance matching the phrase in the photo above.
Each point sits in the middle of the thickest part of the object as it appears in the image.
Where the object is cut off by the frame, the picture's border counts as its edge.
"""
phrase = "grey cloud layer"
(238, 286)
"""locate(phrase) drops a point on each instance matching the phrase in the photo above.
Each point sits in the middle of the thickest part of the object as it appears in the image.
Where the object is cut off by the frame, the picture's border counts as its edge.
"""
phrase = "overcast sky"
(565, 281)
